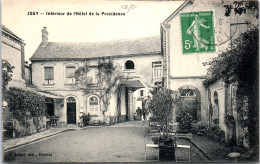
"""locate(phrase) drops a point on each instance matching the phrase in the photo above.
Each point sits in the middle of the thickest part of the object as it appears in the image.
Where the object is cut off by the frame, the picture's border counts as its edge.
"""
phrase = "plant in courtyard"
(7, 70)
(163, 104)
(184, 119)
(229, 121)
(86, 119)
(240, 66)
(215, 134)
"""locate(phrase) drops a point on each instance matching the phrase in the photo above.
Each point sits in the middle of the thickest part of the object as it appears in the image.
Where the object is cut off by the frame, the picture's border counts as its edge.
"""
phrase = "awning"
(50, 95)
(134, 83)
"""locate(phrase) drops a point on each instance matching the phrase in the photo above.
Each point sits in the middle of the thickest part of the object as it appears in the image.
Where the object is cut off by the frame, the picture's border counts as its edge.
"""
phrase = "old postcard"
(130, 81)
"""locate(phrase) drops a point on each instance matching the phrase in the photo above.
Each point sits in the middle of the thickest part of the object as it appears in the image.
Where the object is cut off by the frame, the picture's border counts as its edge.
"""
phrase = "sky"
(142, 19)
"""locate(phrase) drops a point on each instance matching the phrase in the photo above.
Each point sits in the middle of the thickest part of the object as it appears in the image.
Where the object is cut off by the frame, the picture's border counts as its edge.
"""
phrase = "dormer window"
(129, 65)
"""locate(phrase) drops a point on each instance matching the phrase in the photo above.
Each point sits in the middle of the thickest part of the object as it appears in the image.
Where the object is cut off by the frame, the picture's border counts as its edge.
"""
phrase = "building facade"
(54, 65)
(194, 34)
(13, 52)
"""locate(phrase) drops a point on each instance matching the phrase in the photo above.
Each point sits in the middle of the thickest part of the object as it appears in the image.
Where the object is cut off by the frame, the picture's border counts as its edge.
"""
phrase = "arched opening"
(191, 102)
(129, 64)
(215, 113)
(71, 110)
(93, 106)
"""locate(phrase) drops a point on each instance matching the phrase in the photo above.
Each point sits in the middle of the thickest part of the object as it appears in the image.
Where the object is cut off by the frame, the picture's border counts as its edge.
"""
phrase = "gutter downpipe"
(167, 61)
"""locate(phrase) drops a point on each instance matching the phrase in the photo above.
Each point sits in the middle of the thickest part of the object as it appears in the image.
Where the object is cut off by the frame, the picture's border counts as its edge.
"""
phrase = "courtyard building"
(53, 70)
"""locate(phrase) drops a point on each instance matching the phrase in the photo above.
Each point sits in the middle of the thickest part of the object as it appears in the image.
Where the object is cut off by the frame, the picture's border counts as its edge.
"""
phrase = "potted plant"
(86, 119)
(162, 106)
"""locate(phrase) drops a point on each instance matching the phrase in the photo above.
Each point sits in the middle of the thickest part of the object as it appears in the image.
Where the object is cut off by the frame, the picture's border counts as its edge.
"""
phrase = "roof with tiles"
(85, 50)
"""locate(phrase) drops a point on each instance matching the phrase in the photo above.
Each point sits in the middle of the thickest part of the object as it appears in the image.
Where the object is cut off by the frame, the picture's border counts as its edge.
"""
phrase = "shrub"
(229, 121)
(185, 120)
(153, 119)
(86, 119)
(103, 123)
(28, 109)
(215, 134)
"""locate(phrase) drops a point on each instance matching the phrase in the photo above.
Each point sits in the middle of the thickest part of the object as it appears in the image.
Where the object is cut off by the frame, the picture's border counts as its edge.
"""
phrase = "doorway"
(126, 104)
(50, 107)
(71, 110)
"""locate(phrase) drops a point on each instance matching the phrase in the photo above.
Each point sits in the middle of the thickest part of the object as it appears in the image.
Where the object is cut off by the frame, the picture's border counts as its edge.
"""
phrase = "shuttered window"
(157, 71)
(48, 75)
(70, 74)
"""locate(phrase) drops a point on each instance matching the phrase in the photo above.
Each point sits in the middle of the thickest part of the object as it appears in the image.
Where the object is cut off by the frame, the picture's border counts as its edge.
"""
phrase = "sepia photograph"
(173, 81)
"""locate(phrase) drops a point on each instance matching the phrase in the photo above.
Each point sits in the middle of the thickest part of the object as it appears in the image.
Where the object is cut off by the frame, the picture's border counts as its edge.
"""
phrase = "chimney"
(44, 37)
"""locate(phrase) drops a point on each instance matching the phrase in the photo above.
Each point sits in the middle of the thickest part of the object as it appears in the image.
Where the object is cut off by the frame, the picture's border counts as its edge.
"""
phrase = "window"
(70, 74)
(48, 75)
(129, 64)
(94, 106)
(188, 93)
(157, 71)
(93, 74)
(71, 100)
(141, 92)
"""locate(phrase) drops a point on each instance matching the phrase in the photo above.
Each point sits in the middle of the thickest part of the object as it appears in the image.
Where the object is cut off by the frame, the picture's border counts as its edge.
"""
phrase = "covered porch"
(54, 103)
(135, 91)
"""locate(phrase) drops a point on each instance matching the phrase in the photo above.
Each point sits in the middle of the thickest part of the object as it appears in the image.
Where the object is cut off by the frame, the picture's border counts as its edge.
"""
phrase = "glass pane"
(71, 99)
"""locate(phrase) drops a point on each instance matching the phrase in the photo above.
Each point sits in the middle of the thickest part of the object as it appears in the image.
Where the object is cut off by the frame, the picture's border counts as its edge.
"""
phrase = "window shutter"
(49, 73)
(70, 73)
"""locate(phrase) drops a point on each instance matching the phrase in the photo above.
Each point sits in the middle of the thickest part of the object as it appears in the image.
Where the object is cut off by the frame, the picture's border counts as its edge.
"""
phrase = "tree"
(109, 77)
(7, 70)
(240, 65)
(163, 104)
(241, 7)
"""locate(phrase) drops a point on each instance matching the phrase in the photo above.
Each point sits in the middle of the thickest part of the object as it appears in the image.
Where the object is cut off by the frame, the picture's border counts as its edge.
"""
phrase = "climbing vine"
(25, 105)
(108, 80)
(240, 66)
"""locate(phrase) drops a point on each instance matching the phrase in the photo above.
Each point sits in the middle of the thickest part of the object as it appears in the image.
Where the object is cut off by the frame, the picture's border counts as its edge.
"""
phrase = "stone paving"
(216, 152)
(94, 144)
(16, 142)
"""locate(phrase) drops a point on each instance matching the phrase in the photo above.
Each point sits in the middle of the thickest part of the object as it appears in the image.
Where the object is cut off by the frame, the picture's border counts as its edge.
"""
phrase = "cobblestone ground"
(123, 142)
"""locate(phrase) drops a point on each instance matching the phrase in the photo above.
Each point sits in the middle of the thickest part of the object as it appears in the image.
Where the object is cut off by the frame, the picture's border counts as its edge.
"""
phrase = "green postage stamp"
(197, 32)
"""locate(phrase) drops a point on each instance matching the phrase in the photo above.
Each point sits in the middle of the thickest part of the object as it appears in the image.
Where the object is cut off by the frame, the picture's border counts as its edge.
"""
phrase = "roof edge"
(177, 10)
(117, 56)
(210, 80)
(9, 32)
